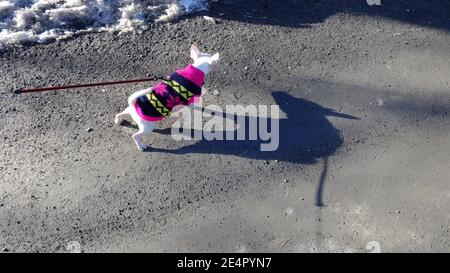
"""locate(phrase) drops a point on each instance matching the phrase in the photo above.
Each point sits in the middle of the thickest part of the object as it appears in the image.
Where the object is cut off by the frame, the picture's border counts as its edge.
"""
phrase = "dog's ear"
(195, 52)
(215, 59)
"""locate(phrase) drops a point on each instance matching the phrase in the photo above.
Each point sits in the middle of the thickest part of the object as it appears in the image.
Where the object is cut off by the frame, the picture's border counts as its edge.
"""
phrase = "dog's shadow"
(305, 137)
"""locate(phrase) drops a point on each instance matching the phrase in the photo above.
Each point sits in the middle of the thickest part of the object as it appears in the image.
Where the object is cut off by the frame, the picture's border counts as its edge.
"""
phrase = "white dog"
(149, 106)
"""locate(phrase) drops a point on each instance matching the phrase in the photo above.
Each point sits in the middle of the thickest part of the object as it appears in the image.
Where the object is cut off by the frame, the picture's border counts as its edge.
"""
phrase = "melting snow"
(40, 21)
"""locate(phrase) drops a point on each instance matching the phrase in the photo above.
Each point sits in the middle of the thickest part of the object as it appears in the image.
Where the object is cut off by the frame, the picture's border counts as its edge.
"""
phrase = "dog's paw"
(142, 148)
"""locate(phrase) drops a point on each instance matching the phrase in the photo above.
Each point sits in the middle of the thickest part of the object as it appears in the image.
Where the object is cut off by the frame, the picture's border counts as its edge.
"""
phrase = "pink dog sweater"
(182, 88)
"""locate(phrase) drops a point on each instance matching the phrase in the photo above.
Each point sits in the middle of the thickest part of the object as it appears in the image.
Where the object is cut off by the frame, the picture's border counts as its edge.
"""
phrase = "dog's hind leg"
(120, 117)
(145, 128)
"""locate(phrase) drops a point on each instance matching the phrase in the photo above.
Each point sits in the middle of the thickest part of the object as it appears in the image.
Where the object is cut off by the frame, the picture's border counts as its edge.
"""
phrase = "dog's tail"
(138, 94)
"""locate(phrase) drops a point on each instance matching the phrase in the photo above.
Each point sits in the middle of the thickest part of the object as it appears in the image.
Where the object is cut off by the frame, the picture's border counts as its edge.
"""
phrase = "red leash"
(30, 90)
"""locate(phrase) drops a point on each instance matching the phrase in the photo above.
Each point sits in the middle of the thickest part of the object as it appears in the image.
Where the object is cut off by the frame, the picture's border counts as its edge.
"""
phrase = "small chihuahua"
(184, 87)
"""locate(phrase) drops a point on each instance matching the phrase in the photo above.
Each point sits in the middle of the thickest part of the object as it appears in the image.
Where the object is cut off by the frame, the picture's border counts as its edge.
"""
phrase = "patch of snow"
(41, 21)
(5, 8)
(170, 13)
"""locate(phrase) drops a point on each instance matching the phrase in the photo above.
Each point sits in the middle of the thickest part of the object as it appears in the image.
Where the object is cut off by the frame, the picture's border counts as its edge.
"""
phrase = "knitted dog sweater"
(182, 88)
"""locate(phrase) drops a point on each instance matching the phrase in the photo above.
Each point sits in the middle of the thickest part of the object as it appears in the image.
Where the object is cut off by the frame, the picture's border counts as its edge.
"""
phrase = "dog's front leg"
(196, 104)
